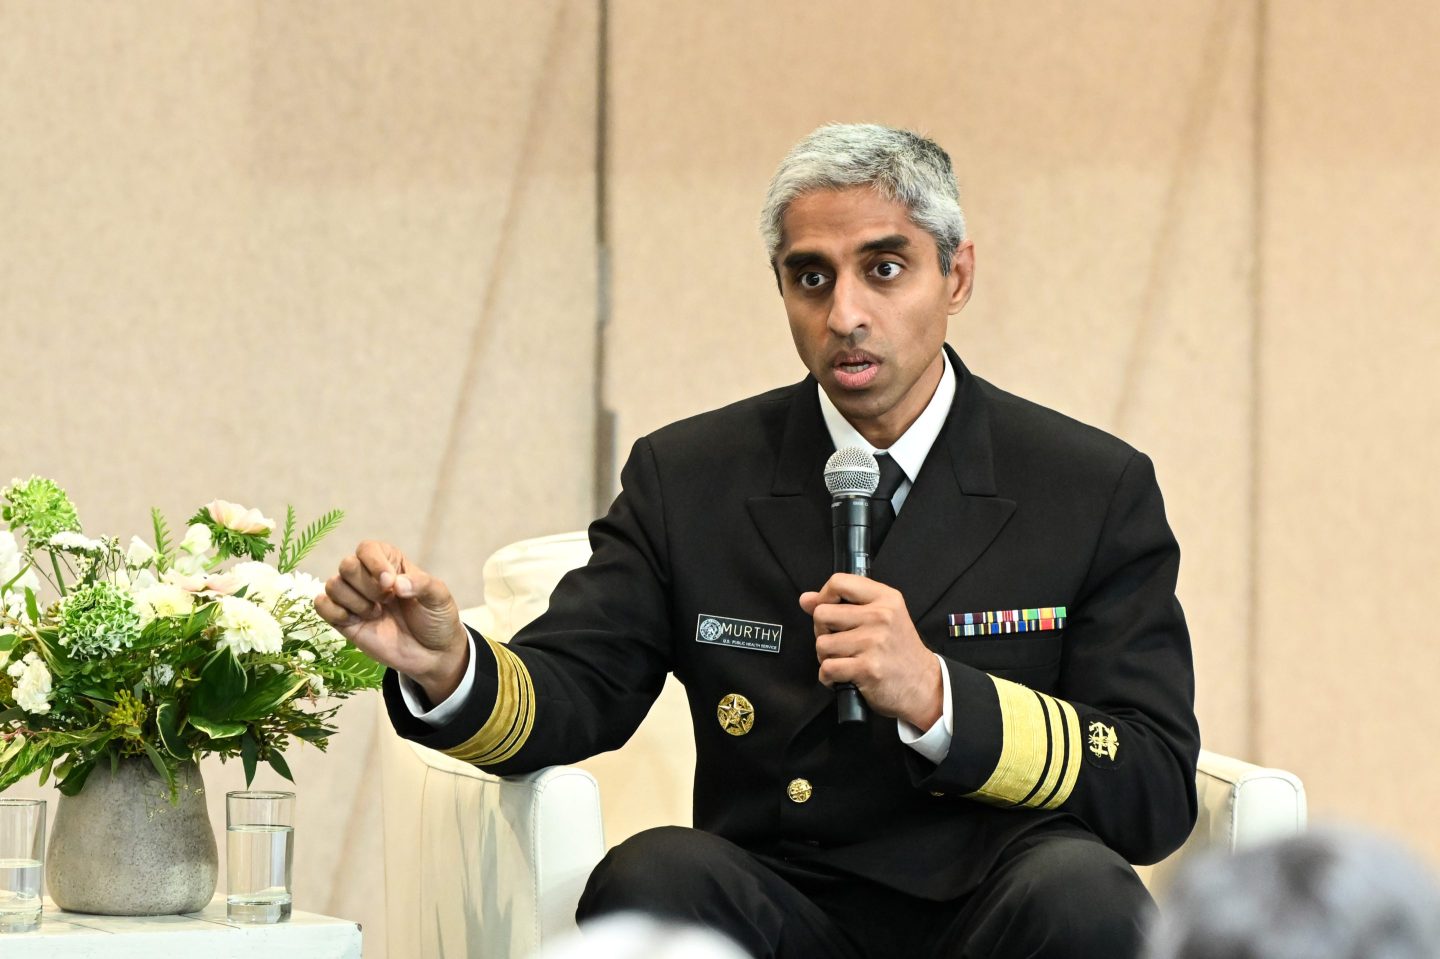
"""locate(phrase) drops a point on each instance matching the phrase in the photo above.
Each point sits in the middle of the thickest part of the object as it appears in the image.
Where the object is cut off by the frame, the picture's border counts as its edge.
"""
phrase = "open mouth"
(855, 370)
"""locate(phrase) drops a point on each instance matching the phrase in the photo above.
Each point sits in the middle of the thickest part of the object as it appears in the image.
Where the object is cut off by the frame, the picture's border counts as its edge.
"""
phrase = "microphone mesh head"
(852, 472)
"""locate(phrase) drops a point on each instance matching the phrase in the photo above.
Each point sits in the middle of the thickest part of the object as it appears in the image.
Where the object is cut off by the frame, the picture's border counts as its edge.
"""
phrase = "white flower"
(144, 579)
(9, 556)
(160, 674)
(262, 581)
(197, 539)
(32, 684)
(70, 542)
(302, 586)
(241, 520)
(317, 685)
(305, 656)
(161, 601)
(139, 553)
(245, 627)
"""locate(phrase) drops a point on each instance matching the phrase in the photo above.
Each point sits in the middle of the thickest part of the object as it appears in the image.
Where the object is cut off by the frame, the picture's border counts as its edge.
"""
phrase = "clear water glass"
(260, 854)
(22, 863)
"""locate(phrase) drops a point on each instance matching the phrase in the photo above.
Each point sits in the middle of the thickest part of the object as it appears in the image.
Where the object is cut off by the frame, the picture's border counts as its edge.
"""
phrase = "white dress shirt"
(909, 452)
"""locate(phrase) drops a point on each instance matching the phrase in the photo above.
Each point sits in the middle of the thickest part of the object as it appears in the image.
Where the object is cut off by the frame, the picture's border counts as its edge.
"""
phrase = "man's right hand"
(398, 615)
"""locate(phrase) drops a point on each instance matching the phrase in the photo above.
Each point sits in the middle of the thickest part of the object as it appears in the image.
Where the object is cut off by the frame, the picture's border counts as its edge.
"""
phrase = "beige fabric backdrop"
(332, 252)
(344, 254)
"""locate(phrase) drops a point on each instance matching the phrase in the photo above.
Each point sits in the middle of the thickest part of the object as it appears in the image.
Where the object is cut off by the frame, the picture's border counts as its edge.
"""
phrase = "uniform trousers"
(1050, 895)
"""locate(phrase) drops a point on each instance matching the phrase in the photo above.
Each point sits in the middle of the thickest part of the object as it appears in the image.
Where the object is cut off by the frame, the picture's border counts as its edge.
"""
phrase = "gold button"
(799, 790)
(736, 715)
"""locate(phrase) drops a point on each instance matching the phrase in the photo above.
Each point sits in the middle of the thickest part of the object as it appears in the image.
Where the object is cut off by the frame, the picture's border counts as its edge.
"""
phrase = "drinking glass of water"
(22, 863)
(260, 851)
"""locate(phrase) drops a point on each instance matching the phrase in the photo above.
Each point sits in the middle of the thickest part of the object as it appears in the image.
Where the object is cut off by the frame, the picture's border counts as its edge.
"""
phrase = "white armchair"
(477, 865)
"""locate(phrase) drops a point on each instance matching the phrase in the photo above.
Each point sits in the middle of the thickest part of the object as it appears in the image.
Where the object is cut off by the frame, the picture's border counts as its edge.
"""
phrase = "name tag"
(744, 633)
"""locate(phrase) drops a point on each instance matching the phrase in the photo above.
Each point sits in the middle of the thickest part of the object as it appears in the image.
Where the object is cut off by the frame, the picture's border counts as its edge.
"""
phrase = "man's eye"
(812, 280)
(888, 269)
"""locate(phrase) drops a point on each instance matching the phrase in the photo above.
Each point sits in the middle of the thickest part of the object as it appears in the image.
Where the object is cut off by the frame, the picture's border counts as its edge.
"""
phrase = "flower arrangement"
(159, 650)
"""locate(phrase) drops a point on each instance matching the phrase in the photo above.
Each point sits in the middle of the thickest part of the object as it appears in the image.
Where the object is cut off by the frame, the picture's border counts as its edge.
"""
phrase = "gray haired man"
(1018, 640)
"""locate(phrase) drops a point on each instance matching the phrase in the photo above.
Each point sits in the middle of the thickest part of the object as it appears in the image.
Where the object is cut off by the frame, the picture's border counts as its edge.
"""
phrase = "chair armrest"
(480, 865)
(1240, 804)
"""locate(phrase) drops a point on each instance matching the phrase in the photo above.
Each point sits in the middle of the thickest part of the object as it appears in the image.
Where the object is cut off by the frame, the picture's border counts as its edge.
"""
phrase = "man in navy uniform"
(1018, 641)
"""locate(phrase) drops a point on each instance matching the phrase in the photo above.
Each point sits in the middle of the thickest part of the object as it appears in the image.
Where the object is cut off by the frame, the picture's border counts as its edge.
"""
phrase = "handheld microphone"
(851, 476)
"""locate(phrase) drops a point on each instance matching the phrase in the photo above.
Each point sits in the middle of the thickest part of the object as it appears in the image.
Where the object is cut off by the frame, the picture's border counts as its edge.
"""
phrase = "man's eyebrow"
(886, 244)
(803, 258)
(800, 259)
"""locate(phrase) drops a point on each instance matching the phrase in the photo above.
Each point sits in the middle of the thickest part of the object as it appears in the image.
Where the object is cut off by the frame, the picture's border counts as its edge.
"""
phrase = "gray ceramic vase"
(119, 848)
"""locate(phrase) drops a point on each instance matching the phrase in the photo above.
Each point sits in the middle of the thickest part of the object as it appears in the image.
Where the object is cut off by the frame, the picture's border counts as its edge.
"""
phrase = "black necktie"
(882, 511)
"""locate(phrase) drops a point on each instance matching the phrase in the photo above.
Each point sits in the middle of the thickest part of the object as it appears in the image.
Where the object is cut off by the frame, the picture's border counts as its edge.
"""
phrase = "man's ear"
(962, 276)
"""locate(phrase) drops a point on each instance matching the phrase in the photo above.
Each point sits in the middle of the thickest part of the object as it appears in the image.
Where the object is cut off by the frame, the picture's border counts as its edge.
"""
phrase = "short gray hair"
(1327, 894)
(900, 165)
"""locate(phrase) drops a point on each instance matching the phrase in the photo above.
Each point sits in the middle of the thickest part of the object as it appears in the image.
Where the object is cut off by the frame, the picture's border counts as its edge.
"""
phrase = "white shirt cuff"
(934, 743)
(414, 696)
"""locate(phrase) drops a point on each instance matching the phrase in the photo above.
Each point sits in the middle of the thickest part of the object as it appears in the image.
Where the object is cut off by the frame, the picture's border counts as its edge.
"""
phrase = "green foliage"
(38, 508)
(162, 539)
(308, 540)
(121, 672)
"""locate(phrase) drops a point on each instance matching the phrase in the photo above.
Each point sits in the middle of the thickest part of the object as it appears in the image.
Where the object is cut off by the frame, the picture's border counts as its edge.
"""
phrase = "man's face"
(868, 305)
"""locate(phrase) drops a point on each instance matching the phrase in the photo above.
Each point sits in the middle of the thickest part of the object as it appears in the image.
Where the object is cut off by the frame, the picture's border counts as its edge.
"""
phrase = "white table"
(207, 934)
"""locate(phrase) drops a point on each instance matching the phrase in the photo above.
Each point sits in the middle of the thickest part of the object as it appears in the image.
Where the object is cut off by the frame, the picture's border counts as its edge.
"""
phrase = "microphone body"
(851, 476)
(850, 534)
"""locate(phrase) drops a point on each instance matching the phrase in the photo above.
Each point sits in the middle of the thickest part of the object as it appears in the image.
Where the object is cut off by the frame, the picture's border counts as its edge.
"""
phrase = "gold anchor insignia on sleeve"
(1103, 741)
(736, 715)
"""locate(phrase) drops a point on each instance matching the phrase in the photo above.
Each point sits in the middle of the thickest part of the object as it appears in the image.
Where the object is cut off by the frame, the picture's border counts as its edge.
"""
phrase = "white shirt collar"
(910, 450)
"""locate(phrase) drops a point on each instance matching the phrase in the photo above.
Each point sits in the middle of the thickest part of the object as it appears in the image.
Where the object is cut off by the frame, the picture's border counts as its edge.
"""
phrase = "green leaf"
(196, 622)
(162, 539)
(277, 763)
(222, 683)
(45, 771)
(101, 705)
(267, 691)
(7, 643)
(11, 748)
(355, 669)
(31, 606)
(314, 734)
(282, 561)
(311, 537)
(216, 730)
(32, 755)
(11, 714)
(249, 753)
(72, 783)
(170, 723)
(16, 578)
(164, 769)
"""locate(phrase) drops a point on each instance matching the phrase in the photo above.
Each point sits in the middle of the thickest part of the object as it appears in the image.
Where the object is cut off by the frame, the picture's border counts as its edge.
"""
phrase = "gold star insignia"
(736, 715)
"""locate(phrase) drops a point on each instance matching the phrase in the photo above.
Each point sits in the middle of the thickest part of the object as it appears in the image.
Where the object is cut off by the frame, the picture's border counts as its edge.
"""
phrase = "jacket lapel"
(794, 519)
(952, 513)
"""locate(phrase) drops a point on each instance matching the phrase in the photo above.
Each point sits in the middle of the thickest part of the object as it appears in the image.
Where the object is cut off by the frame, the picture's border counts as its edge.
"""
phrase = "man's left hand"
(863, 635)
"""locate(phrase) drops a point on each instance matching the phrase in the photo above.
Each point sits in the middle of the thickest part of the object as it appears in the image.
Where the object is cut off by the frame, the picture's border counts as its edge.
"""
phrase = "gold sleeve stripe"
(1071, 724)
(1039, 750)
(510, 722)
